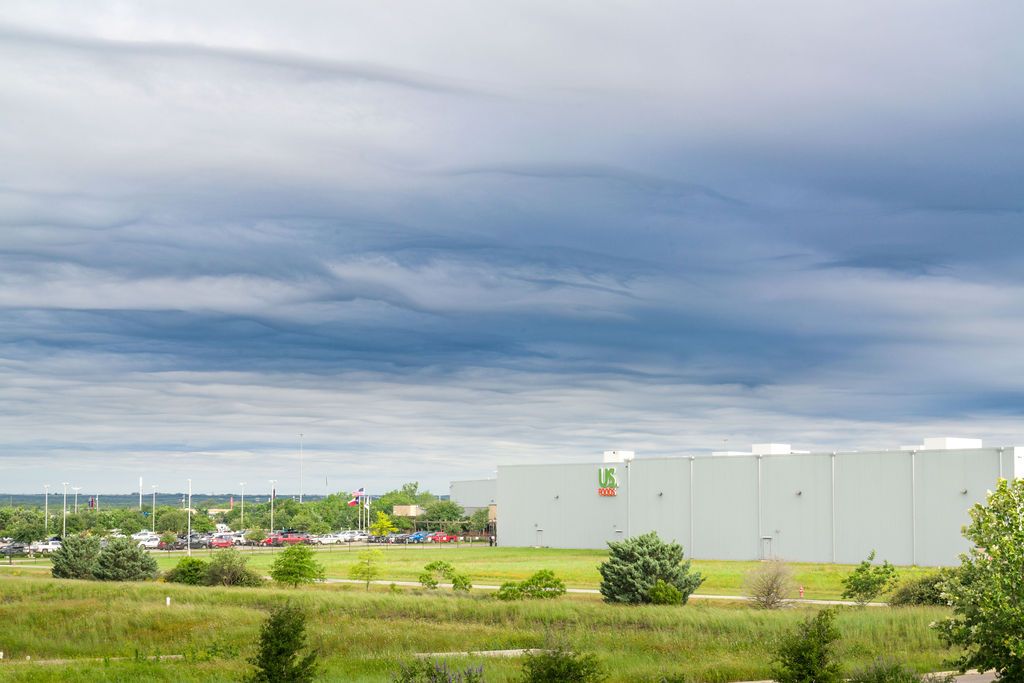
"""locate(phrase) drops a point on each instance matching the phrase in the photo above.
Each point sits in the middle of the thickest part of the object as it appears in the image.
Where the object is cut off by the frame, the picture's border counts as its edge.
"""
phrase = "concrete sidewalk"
(594, 591)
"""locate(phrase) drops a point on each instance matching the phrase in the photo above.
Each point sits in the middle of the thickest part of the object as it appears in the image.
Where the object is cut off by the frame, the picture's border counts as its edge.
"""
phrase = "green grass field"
(362, 635)
(578, 568)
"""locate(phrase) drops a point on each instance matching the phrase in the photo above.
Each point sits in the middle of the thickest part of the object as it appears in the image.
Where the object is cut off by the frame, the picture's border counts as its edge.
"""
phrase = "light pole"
(273, 495)
(64, 530)
(300, 467)
(154, 508)
(76, 489)
(188, 538)
(46, 509)
(241, 524)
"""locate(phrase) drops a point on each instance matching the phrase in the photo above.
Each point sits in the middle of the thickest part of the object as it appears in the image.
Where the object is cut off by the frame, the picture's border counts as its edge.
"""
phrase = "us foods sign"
(606, 484)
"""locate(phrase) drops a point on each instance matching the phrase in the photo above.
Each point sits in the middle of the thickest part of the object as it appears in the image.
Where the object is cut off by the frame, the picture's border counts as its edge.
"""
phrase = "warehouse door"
(766, 547)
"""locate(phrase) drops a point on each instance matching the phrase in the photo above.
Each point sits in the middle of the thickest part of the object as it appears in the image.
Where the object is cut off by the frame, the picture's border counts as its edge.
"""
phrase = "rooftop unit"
(944, 443)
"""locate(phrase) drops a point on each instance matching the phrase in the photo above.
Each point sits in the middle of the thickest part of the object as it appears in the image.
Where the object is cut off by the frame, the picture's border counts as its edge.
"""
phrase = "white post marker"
(168, 601)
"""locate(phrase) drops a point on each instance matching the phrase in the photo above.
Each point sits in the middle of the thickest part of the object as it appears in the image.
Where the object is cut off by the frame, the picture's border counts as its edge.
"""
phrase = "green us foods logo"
(606, 483)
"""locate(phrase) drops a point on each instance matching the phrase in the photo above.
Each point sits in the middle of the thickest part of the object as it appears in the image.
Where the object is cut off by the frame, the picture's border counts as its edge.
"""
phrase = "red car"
(221, 542)
(287, 538)
(442, 537)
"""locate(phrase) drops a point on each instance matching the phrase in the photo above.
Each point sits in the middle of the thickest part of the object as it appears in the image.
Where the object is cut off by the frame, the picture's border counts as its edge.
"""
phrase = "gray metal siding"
(725, 508)
(796, 508)
(474, 493)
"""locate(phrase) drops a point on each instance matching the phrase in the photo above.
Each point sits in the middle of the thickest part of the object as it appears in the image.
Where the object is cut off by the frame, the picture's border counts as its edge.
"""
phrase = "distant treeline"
(131, 500)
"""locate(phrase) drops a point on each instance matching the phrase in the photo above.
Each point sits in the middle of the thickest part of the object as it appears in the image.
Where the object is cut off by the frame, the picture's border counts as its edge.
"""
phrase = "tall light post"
(300, 467)
(154, 508)
(241, 524)
(46, 509)
(76, 490)
(64, 530)
(188, 538)
(273, 495)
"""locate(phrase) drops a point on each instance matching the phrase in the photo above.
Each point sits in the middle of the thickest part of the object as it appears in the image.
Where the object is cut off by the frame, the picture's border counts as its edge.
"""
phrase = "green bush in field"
(509, 591)
(279, 658)
(124, 560)
(429, 671)
(808, 656)
(664, 594)
(636, 564)
(985, 590)
(540, 585)
(923, 590)
(562, 666)
(867, 581)
(885, 671)
(296, 565)
(228, 568)
(189, 570)
(76, 557)
(460, 582)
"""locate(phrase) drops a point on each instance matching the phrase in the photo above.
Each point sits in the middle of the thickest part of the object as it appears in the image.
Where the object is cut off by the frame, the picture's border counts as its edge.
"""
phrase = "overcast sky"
(439, 237)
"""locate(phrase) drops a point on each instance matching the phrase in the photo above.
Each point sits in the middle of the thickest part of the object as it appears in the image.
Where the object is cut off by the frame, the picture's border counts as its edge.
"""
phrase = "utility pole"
(188, 539)
(273, 495)
(64, 530)
(76, 489)
(46, 508)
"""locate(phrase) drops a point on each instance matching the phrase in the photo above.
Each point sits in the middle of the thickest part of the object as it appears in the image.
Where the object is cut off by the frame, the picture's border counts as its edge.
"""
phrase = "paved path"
(594, 591)
(972, 677)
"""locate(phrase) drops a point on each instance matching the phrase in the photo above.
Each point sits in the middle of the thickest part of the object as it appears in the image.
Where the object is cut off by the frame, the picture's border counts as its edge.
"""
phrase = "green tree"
(366, 567)
(867, 581)
(228, 567)
(986, 591)
(922, 590)
(189, 570)
(808, 655)
(123, 560)
(479, 520)
(76, 557)
(296, 565)
(636, 564)
(383, 526)
(279, 657)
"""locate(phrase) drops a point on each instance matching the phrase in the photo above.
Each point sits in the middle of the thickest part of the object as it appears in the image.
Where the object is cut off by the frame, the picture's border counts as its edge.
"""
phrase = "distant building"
(908, 505)
(474, 494)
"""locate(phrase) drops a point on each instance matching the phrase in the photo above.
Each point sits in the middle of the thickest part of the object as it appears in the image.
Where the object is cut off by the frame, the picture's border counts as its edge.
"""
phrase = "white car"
(44, 546)
(151, 541)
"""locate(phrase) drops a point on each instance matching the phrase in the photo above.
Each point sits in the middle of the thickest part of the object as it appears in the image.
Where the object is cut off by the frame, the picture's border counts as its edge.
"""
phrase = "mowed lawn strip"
(362, 634)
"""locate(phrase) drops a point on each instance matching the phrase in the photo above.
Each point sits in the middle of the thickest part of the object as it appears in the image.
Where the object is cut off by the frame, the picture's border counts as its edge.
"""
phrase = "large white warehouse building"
(909, 504)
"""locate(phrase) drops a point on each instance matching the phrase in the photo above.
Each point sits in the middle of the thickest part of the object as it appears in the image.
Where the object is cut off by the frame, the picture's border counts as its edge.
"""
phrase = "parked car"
(418, 537)
(442, 537)
(15, 548)
(286, 538)
(151, 542)
(45, 546)
(222, 541)
(328, 539)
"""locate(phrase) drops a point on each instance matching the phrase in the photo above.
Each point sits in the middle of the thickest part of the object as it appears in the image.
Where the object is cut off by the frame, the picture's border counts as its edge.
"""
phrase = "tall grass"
(362, 634)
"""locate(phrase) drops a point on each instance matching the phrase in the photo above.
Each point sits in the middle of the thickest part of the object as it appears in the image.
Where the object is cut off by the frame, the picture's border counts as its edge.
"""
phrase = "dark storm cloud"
(433, 246)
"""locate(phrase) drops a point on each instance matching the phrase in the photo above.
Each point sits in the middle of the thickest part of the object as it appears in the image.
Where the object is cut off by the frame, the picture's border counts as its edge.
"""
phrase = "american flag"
(356, 496)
